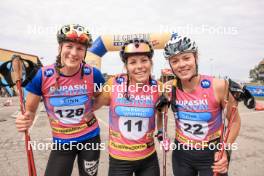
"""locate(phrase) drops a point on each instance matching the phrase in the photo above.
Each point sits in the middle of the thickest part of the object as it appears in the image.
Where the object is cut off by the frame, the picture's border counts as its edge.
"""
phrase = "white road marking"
(103, 122)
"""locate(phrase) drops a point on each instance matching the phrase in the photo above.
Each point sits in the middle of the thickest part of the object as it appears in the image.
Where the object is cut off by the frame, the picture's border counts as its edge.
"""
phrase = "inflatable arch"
(106, 43)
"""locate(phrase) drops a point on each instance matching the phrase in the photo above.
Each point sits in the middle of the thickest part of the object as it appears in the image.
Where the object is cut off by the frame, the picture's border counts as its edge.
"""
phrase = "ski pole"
(162, 106)
(225, 135)
(17, 77)
(164, 136)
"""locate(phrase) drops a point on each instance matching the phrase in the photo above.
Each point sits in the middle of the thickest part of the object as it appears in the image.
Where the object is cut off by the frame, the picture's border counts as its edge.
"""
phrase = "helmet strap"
(126, 94)
(83, 63)
(196, 71)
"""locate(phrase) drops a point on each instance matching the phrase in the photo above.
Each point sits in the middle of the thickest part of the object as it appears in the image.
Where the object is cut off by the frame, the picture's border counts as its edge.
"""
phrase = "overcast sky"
(229, 33)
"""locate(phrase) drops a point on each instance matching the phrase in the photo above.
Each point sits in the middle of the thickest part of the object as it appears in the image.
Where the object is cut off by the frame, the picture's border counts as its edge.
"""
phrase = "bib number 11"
(133, 127)
(138, 124)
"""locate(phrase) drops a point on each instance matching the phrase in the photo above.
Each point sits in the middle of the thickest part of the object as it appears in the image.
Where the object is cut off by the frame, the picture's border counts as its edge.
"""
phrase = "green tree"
(257, 73)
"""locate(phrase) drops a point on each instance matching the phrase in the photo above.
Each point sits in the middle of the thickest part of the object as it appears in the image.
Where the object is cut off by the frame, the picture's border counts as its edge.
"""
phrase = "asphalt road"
(247, 160)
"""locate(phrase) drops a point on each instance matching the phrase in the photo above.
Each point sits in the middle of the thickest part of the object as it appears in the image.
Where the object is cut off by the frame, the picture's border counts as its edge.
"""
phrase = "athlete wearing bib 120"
(197, 102)
(67, 89)
(131, 100)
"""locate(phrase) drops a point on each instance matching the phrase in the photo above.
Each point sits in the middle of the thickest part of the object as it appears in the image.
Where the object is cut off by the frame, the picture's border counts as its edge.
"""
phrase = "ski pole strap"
(5, 71)
(29, 70)
(30, 76)
(235, 90)
(162, 103)
(159, 135)
(241, 94)
(249, 100)
(173, 99)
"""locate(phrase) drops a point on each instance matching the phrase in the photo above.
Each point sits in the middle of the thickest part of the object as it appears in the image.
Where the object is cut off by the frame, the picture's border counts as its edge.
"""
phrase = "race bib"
(196, 130)
(133, 128)
(69, 114)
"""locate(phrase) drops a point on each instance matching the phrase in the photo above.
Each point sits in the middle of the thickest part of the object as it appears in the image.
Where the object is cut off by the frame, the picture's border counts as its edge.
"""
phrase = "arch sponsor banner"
(256, 91)
(106, 43)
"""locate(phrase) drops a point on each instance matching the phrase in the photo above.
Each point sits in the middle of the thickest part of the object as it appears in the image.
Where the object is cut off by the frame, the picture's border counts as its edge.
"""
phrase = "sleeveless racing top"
(199, 116)
(132, 121)
(67, 105)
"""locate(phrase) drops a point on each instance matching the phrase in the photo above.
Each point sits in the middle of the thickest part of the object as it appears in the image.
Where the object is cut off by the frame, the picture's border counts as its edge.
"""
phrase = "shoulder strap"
(173, 98)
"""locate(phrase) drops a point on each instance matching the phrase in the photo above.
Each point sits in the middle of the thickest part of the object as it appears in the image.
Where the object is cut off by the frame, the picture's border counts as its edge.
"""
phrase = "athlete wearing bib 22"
(131, 100)
(199, 115)
(67, 89)
(197, 102)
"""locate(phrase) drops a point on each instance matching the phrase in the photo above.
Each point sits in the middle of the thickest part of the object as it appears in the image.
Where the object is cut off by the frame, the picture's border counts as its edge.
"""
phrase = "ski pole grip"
(17, 69)
(162, 103)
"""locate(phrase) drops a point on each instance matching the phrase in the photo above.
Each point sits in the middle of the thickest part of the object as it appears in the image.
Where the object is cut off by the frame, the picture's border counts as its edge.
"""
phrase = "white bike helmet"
(179, 44)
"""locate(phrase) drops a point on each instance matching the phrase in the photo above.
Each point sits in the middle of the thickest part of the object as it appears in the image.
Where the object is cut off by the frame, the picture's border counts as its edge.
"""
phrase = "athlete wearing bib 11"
(67, 89)
(131, 99)
(197, 102)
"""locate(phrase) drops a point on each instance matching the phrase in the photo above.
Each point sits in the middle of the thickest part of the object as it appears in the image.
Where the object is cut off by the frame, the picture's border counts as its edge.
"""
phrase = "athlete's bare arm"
(23, 122)
(103, 98)
(221, 93)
